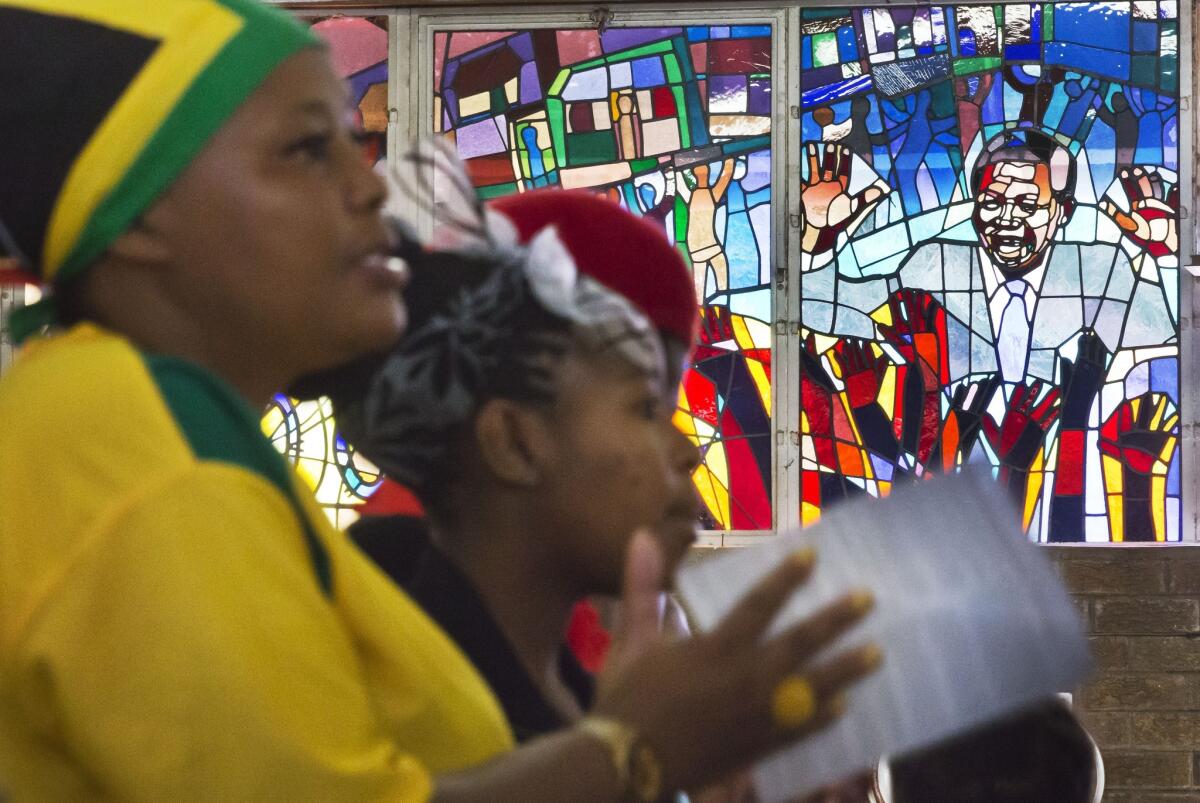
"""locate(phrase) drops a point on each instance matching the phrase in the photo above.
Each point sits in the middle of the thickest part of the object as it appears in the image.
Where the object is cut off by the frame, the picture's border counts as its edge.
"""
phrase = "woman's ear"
(143, 243)
(514, 442)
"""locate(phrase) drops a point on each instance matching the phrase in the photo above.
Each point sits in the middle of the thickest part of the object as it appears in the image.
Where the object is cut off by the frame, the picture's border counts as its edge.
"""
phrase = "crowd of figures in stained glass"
(305, 432)
(990, 258)
(674, 124)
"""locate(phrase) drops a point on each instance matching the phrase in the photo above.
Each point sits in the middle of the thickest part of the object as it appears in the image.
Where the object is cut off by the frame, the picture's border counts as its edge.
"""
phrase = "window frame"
(411, 31)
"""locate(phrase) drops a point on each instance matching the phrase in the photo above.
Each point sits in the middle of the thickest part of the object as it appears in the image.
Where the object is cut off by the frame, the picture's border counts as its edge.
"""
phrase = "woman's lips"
(386, 271)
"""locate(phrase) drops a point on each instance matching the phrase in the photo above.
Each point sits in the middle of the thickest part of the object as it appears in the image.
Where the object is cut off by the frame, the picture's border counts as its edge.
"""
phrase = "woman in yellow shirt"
(177, 622)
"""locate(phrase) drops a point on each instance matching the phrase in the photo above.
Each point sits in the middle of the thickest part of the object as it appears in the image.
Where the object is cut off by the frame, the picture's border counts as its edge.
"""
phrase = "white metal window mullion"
(1189, 284)
(790, 455)
(10, 299)
(402, 101)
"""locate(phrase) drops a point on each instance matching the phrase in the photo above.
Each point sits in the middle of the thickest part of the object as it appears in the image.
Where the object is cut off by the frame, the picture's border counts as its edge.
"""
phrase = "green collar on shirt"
(220, 426)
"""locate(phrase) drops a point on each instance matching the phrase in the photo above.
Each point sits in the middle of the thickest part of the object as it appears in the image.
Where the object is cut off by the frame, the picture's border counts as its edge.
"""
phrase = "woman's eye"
(651, 408)
(315, 148)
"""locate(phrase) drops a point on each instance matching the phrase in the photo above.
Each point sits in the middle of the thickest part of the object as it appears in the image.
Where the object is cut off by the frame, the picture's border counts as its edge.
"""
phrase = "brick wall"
(1142, 606)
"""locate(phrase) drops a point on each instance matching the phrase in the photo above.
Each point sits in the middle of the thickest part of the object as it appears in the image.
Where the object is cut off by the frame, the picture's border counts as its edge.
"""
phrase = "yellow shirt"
(178, 622)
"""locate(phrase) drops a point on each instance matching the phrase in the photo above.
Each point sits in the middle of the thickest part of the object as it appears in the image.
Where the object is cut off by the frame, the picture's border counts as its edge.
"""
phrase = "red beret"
(621, 251)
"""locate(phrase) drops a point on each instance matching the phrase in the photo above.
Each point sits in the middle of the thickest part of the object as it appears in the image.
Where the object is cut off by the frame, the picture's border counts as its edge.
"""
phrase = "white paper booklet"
(973, 620)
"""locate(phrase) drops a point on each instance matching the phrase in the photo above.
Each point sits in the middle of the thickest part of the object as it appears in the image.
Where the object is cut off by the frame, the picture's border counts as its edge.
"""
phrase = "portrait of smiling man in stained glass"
(990, 198)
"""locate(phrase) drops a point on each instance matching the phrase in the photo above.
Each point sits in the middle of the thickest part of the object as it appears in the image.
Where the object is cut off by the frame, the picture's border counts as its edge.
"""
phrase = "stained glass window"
(358, 48)
(305, 432)
(674, 124)
(990, 266)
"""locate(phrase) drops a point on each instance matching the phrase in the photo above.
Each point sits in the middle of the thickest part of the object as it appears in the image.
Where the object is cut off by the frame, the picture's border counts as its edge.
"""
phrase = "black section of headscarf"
(61, 78)
(475, 333)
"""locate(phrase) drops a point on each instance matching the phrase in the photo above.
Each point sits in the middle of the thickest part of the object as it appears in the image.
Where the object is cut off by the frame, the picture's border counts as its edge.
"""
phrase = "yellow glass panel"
(684, 423)
(474, 104)
(1167, 452)
(1033, 488)
(883, 315)
(1112, 474)
(741, 334)
(1116, 517)
(714, 494)
(887, 390)
(762, 382)
(715, 460)
(1158, 507)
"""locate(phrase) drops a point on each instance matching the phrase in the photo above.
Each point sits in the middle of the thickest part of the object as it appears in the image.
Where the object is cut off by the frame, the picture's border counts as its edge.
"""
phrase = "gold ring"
(794, 702)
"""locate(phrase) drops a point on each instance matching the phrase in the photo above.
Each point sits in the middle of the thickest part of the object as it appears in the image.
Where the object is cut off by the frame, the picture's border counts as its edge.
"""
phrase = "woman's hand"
(709, 705)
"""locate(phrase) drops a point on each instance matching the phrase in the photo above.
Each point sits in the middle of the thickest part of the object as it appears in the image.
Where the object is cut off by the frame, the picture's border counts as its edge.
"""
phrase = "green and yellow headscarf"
(104, 103)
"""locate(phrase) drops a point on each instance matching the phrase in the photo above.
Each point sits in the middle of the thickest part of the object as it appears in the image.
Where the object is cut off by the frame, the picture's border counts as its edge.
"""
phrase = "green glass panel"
(672, 64)
(559, 82)
(681, 220)
(825, 49)
(823, 13)
(1145, 70)
(1169, 76)
(558, 128)
(643, 165)
(976, 64)
(685, 129)
(497, 190)
(592, 148)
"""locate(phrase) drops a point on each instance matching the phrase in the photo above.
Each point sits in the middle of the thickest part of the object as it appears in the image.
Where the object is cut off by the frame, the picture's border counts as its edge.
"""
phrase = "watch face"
(645, 775)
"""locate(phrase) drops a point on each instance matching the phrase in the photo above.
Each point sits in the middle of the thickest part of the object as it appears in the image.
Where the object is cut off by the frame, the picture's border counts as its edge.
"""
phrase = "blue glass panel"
(1145, 37)
(1090, 59)
(648, 72)
(750, 31)
(1104, 25)
(847, 43)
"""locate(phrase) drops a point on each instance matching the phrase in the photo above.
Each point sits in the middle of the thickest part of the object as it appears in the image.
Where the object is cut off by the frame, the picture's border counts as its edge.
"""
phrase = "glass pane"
(305, 431)
(990, 265)
(674, 124)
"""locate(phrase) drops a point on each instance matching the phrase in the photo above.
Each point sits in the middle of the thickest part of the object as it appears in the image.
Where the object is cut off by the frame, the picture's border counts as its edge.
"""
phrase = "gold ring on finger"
(794, 702)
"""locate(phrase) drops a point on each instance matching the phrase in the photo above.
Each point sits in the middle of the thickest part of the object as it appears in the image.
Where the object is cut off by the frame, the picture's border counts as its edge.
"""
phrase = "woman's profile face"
(274, 233)
(620, 464)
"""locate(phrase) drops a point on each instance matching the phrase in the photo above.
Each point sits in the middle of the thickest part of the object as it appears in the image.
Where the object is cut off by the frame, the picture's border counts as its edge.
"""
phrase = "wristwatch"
(638, 769)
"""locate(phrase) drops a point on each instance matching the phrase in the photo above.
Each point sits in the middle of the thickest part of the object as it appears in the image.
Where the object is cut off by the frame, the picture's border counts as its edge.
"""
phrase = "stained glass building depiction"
(990, 266)
(675, 125)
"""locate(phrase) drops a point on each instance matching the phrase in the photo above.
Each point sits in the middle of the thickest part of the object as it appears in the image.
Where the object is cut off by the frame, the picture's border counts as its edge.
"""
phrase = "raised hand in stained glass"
(817, 392)
(829, 208)
(964, 422)
(1019, 439)
(1151, 222)
(1081, 382)
(1082, 378)
(915, 324)
(863, 369)
(1137, 443)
